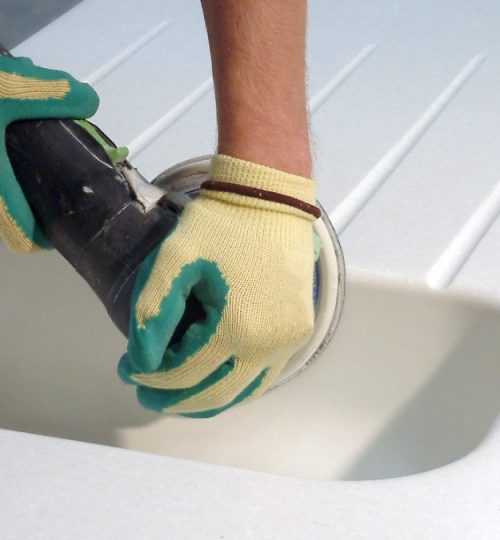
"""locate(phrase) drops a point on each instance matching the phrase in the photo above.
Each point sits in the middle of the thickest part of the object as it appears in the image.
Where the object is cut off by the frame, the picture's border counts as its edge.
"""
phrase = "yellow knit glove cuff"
(279, 184)
(228, 169)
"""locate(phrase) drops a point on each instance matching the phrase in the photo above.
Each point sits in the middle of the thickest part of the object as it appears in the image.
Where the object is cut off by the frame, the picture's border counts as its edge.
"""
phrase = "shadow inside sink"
(408, 384)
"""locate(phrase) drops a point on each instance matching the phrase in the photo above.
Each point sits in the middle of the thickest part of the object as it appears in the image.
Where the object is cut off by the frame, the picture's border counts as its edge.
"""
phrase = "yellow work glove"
(245, 249)
(28, 91)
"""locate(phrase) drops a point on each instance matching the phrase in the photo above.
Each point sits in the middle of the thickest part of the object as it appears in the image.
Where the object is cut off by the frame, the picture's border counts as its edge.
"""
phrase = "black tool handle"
(86, 208)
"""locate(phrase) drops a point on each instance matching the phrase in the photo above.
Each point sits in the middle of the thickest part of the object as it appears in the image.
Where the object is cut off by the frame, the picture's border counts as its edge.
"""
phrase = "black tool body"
(88, 210)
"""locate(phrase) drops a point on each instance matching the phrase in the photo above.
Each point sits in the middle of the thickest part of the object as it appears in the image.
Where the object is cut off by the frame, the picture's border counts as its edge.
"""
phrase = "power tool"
(104, 217)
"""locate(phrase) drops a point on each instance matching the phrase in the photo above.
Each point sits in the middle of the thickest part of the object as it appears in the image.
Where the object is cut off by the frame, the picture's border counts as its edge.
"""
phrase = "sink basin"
(409, 382)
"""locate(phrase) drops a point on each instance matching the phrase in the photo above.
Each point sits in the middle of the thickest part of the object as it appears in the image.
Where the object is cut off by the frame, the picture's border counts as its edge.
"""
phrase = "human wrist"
(281, 153)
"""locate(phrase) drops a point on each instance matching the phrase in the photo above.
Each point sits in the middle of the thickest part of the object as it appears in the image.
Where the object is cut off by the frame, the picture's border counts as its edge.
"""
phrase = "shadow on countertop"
(19, 19)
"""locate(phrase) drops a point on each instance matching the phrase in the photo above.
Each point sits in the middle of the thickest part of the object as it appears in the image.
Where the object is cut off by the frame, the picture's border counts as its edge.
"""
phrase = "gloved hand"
(244, 247)
(31, 92)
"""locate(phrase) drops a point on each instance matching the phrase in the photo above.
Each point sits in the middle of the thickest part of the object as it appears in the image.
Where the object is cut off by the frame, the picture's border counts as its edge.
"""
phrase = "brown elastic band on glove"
(272, 196)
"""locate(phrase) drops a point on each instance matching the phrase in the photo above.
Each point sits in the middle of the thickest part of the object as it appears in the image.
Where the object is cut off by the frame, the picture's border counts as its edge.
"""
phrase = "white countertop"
(66, 489)
(405, 101)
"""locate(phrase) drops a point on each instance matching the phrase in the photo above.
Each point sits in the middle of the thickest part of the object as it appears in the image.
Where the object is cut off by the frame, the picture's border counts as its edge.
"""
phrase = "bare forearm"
(258, 58)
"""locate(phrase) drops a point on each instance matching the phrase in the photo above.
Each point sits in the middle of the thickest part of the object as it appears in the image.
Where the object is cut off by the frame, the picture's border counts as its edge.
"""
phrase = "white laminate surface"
(405, 104)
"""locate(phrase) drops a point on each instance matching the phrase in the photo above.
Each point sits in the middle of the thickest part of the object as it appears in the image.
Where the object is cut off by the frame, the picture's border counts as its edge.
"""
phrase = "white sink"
(409, 383)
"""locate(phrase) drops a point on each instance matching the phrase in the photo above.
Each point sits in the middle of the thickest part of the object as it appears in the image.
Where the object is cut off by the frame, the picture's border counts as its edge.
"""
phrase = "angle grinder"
(104, 218)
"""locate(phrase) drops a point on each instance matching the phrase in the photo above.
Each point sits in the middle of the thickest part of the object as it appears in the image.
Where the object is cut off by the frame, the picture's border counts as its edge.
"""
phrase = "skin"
(258, 62)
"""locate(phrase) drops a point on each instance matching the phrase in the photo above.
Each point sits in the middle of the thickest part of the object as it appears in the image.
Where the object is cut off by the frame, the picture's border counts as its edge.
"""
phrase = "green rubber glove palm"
(250, 262)
(31, 92)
